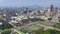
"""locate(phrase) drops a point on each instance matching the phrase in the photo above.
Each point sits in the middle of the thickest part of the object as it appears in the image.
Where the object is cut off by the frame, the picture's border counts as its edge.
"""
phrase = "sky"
(19, 3)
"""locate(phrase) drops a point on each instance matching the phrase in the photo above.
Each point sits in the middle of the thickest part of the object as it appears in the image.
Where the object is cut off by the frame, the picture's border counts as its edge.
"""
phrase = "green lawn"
(34, 27)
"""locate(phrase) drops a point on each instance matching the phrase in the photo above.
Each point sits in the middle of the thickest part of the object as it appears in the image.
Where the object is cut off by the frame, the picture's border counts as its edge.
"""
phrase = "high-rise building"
(56, 12)
(52, 8)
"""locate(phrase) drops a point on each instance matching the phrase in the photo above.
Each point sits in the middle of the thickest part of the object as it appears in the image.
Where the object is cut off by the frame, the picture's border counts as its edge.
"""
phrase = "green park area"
(51, 32)
(41, 31)
(57, 25)
(5, 25)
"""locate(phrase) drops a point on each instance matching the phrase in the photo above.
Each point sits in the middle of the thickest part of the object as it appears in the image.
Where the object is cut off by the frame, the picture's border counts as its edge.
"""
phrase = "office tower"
(52, 8)
(27, 13)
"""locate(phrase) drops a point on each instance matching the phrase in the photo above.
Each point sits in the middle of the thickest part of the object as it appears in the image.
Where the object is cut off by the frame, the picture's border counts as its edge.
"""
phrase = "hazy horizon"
(19, 3)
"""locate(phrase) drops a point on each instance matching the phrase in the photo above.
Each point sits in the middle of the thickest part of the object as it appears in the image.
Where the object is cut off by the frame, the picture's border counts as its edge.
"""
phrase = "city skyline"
(19, 3)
